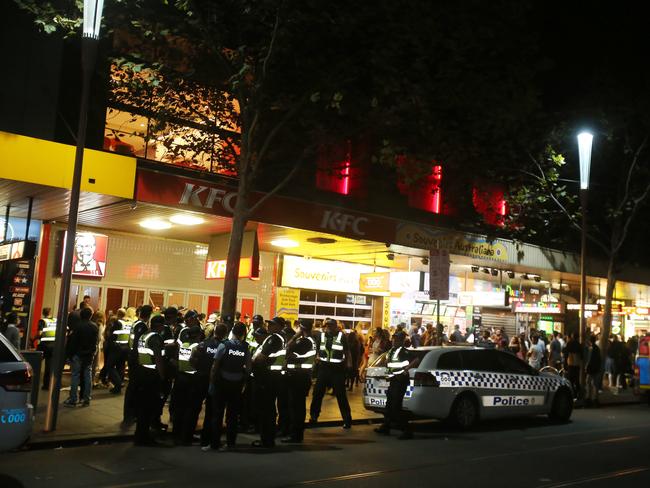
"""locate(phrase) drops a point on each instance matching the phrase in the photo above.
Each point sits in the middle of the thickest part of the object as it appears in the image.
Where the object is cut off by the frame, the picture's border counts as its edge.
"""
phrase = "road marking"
(372, 474)
(141, 483)
(606, 476)
(566, 434)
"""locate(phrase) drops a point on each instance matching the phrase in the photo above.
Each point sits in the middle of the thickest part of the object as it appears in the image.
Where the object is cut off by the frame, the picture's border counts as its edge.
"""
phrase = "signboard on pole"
(439, 274)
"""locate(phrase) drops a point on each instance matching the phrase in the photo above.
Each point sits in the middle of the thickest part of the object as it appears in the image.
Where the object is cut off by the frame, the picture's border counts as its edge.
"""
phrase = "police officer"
(301, 357)
(284, 415)
(256, 331)
(47, 327)
(149, 386)
(113, 352)
(202, 359)
(268, 367)
(232, 364)
(140, 327)
(121, 340)
(399, 363)
(170, 359)
(181, 407)
(333, 359)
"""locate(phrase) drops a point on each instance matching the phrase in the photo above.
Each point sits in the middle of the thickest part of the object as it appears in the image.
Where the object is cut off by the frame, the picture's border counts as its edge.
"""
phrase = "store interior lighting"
(186, 219)
(284, 242)
(155, 224)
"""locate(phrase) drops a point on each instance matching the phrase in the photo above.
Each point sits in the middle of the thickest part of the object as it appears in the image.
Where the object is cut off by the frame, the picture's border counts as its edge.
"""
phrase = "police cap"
(258, 319)
(277, 321)
(239, 329)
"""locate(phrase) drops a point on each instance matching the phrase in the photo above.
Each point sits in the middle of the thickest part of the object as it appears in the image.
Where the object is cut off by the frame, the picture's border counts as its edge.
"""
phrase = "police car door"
(491, 382)
(529, 389)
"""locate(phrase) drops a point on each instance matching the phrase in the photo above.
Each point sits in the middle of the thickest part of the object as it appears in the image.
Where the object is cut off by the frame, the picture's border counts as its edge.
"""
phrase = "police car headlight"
(424, 378)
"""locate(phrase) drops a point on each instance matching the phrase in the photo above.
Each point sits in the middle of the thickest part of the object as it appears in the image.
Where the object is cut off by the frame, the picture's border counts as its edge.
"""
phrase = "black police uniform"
(398, 383)
(248, 421)
(331, 374)
(113, 357)
(47, 348)
(202, 360)
(233, 359)
(171, 354)
(284, 410)
(180, 405)
(148, 392)
(301, 354)
(266, 385)
(139, 328)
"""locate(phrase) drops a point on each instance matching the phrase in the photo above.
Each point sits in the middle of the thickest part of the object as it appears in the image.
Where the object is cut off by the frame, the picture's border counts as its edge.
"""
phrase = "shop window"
(363, 313)
(307, 296)
(421, 184)
(344, 312)
(135, 298)
(338, 170)
(489, 201)
(323, 296)
(326, 311)
(157, 299)
(307, 310)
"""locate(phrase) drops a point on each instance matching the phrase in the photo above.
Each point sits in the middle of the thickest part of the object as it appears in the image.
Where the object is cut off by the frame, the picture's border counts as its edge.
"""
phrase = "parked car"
(16, 413)
(467, 384)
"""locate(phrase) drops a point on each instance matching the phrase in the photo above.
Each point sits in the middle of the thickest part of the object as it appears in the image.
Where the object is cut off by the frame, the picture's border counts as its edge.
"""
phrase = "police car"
(466, 384)
(16, 413)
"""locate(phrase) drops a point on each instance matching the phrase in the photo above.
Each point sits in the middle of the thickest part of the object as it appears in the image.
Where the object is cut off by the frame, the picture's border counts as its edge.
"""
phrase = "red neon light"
(345, 176)
(424, 193)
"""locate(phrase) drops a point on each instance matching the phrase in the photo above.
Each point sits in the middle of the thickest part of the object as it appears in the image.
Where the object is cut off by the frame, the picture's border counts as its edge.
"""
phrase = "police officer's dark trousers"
(179, 405)
(227, 398)
(334, 376)
(284, 411)
(394, 399)
(299, 383)
(48, 351)
(266, 394)
(147, 403)
(198, 393)
(112, 355)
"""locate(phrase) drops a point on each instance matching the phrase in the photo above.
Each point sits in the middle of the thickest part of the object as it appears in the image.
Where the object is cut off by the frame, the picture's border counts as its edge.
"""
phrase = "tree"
(436, 82)
(543, 199)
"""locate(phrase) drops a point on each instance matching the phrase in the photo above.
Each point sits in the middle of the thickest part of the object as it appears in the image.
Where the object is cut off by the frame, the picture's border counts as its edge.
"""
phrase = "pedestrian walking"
(593, 370)
(81, 348)
(333, 359)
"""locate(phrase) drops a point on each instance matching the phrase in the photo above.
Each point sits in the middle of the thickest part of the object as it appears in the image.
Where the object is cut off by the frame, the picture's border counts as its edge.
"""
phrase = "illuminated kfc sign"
(89, 257)
(216, 270)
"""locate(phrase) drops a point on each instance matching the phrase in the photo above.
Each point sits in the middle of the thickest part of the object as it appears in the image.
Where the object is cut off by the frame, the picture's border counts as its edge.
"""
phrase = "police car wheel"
(464, 412)
(562, 406)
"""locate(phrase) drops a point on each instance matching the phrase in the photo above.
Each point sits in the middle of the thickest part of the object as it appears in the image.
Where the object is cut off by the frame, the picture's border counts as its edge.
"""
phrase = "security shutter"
(491, 318)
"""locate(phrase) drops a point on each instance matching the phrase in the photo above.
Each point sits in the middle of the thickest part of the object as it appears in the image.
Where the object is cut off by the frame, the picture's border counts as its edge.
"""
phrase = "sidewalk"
(103, 418)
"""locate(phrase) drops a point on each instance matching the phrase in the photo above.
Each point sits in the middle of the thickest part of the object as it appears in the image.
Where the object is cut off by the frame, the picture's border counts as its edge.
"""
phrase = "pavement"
(598, 448)
(103, 418)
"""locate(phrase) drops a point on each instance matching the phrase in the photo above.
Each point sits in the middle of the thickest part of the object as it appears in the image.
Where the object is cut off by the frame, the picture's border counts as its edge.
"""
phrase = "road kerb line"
(605, 476)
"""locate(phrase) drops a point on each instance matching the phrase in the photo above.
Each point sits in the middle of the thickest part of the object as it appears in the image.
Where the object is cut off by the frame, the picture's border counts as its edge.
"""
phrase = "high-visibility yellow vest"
(184, 354)
(122, 333)
(278, 357)
(303, 361)
(48, 334)
(335, 354)
(146, 357)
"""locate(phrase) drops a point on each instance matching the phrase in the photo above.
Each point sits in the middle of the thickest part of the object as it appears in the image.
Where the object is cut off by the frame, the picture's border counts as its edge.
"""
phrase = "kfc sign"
(202, 196)
(89, 257)
(216, 270)
(342, 223)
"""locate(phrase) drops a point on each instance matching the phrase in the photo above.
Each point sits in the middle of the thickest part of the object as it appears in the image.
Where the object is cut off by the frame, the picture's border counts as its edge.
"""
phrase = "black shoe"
(347, 425)
(313, 421)
(263, 446)
(383, 430)
(406, 435)
(69, 403)
(291, 440)
(85, 403)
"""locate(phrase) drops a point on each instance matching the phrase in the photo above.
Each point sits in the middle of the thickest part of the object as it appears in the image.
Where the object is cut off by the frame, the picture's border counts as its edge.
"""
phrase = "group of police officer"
(257, 375)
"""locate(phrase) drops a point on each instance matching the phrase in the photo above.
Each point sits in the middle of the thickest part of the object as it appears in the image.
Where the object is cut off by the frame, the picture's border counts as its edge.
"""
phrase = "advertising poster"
(287, 303)
(90, 252)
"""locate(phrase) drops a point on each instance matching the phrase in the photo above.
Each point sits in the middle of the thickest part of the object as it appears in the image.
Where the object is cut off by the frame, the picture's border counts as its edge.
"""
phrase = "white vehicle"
(16, 413)
(466, 384)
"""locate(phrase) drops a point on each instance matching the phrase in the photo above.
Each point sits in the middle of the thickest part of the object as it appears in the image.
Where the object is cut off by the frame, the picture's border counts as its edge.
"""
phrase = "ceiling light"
(494, 272)
(283, 242)
(390, 256)
(201, 251)
(186, 219)
(511, 274)
(475, 269)
(155, 224)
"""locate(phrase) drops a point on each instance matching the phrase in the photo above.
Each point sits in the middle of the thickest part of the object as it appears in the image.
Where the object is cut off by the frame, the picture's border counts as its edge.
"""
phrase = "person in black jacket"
(593, 370)
(81, 347)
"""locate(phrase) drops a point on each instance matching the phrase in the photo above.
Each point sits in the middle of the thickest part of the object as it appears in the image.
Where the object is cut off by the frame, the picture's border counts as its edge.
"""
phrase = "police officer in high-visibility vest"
(202, 359)
(268, 368)
(284, 415)
(151, 375)
(232, 364)
(333, 360)
(399, 363)
(140, 327)
(301, 357)
(47, 328)
(170, 359)
(121, 339)
(182, 412)
(247, 418)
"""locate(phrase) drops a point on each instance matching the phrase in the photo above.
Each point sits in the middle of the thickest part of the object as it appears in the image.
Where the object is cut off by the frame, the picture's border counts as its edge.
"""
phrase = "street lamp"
(585, 140)
(92, 19)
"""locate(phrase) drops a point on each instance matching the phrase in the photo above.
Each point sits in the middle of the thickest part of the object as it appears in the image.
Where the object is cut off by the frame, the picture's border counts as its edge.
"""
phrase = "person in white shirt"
(536, 352)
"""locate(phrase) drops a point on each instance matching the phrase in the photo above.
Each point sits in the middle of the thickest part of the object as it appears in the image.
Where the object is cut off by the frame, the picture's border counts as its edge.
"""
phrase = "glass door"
(135, 298)
(114, 300)
(157, 299)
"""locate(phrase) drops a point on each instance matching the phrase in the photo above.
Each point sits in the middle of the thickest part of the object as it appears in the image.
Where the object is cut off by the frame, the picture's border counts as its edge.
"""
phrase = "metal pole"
(88, 57)
(29, 217)
(6, 226)
(583, 279)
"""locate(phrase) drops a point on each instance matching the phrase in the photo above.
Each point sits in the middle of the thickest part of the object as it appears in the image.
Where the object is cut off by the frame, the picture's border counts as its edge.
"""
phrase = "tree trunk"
(607, 316)
(239, 220)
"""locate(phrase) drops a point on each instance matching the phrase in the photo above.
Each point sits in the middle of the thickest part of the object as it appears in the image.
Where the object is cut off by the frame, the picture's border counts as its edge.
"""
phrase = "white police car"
(16, 413)
(465, 384)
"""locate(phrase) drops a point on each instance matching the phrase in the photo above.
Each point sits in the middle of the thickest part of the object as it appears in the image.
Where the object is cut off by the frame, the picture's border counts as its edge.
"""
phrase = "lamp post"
(585, 140)
(92, 18)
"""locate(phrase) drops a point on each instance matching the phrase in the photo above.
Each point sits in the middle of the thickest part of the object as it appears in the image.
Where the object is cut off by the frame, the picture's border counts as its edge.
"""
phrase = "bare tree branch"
(630, 174)
(274, 35)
